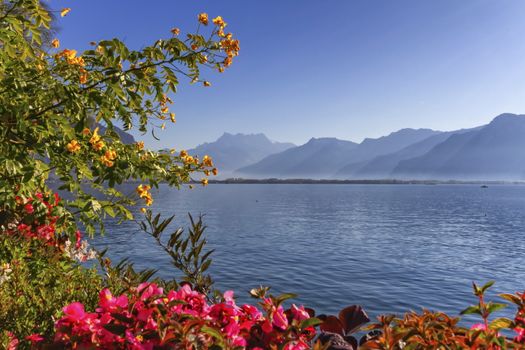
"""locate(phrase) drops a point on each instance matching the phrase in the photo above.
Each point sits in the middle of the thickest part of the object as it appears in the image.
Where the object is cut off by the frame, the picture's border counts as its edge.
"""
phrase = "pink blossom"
(478, 327)
(78, 238)
(111, 304)
(520, 337)
(29, 208)
(75, 311)
(279, 318)
(299, 313)
(13, 341)
(34, 338)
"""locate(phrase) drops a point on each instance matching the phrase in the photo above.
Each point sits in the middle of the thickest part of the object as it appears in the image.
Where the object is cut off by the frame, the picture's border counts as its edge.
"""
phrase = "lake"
(390, 248)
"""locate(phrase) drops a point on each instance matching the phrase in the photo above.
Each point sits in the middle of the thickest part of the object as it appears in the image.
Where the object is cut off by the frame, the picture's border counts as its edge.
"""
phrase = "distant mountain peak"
(230, 136)
(507, 117)
(326, 140)
(231, 151)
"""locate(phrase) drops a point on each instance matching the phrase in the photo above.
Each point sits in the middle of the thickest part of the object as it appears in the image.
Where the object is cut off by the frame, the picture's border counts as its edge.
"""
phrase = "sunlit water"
(390, 248)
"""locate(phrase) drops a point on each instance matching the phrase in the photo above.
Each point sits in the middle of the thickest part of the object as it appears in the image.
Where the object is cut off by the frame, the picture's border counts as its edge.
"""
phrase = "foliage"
(148, 317)
(437, 330)
(53, 100)
(36, 282)
(186, 252)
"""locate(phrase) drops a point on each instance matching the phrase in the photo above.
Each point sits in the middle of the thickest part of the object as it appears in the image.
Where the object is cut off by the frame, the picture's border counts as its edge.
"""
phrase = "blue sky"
(340, 68)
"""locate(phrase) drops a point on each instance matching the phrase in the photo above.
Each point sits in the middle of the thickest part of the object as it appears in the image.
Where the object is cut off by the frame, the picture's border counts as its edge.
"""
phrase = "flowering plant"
(149, 318)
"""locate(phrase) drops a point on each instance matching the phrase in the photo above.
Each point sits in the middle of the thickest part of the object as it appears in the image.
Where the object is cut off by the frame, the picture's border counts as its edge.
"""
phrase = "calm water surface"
(390, 248)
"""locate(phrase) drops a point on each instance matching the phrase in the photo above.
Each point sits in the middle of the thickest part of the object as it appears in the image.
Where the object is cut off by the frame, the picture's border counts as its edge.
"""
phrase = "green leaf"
(212, 331)
(491, 307)
(471, 310)
(487, 286)
(109, 210)
(511, 297)
(501, 322)
(284, 297)
(310, 322)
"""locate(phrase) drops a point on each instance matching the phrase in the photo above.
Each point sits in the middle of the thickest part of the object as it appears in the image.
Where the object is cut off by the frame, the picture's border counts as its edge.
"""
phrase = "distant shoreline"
(273, 181)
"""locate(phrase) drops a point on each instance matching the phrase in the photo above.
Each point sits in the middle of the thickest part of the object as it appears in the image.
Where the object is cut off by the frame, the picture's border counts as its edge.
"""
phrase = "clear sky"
(342, 68)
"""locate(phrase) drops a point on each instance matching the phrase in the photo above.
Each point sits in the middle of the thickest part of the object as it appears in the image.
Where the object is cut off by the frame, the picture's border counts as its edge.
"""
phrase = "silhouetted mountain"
(372, 148)
(381, 167)
(495, 151)
(231, 152)
(321, 158)
(317, 158)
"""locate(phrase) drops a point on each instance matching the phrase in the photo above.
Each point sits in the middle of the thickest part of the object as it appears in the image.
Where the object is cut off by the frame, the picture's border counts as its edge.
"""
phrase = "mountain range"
(495, 151)
(234, 151)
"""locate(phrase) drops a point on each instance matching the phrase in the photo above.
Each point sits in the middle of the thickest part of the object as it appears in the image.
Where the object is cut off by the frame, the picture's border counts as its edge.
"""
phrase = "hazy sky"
(341, 68)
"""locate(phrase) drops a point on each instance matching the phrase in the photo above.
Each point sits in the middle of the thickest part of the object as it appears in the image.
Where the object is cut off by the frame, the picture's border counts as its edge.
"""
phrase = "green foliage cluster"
(52, 99)
(38, 283)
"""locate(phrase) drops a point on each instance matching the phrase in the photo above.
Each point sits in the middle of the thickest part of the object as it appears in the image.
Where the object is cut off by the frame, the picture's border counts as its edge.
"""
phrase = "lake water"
(390, 248)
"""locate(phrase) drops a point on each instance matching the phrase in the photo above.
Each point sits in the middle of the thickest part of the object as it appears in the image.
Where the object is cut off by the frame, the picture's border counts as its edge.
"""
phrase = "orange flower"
(86, 131)
(98, 145)
(219, 22)
(95, 138)
(206, 83)
(175, 31)
(203, 18)
(207, 161)
(73, 146)
(107, 162)
(204, 182)
(83, 78)
(64, 11)
(55, 43)
(142, 191)
(140, 145)
(110, 154)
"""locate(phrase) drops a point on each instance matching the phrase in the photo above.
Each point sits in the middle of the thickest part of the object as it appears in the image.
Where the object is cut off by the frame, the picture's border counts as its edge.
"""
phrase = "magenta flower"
(299, 313)
(75, 311)
(478, 327)
(279, 318)
(29, 208)
(34, 338)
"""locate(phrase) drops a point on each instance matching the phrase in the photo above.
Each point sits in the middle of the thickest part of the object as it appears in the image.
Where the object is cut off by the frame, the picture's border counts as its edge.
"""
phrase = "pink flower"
(252, 311)
(148, 290)
(299, 313)
(478, 327)
(13, 341)
(521, 334)
(109, 303)
(29, 208)
(78, 237)
(279, 318)
(228, 297)
(75, 311)
(34, 338)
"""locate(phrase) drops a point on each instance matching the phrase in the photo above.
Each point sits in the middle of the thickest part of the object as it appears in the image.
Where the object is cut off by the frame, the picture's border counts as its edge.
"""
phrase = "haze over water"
(390, 248)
